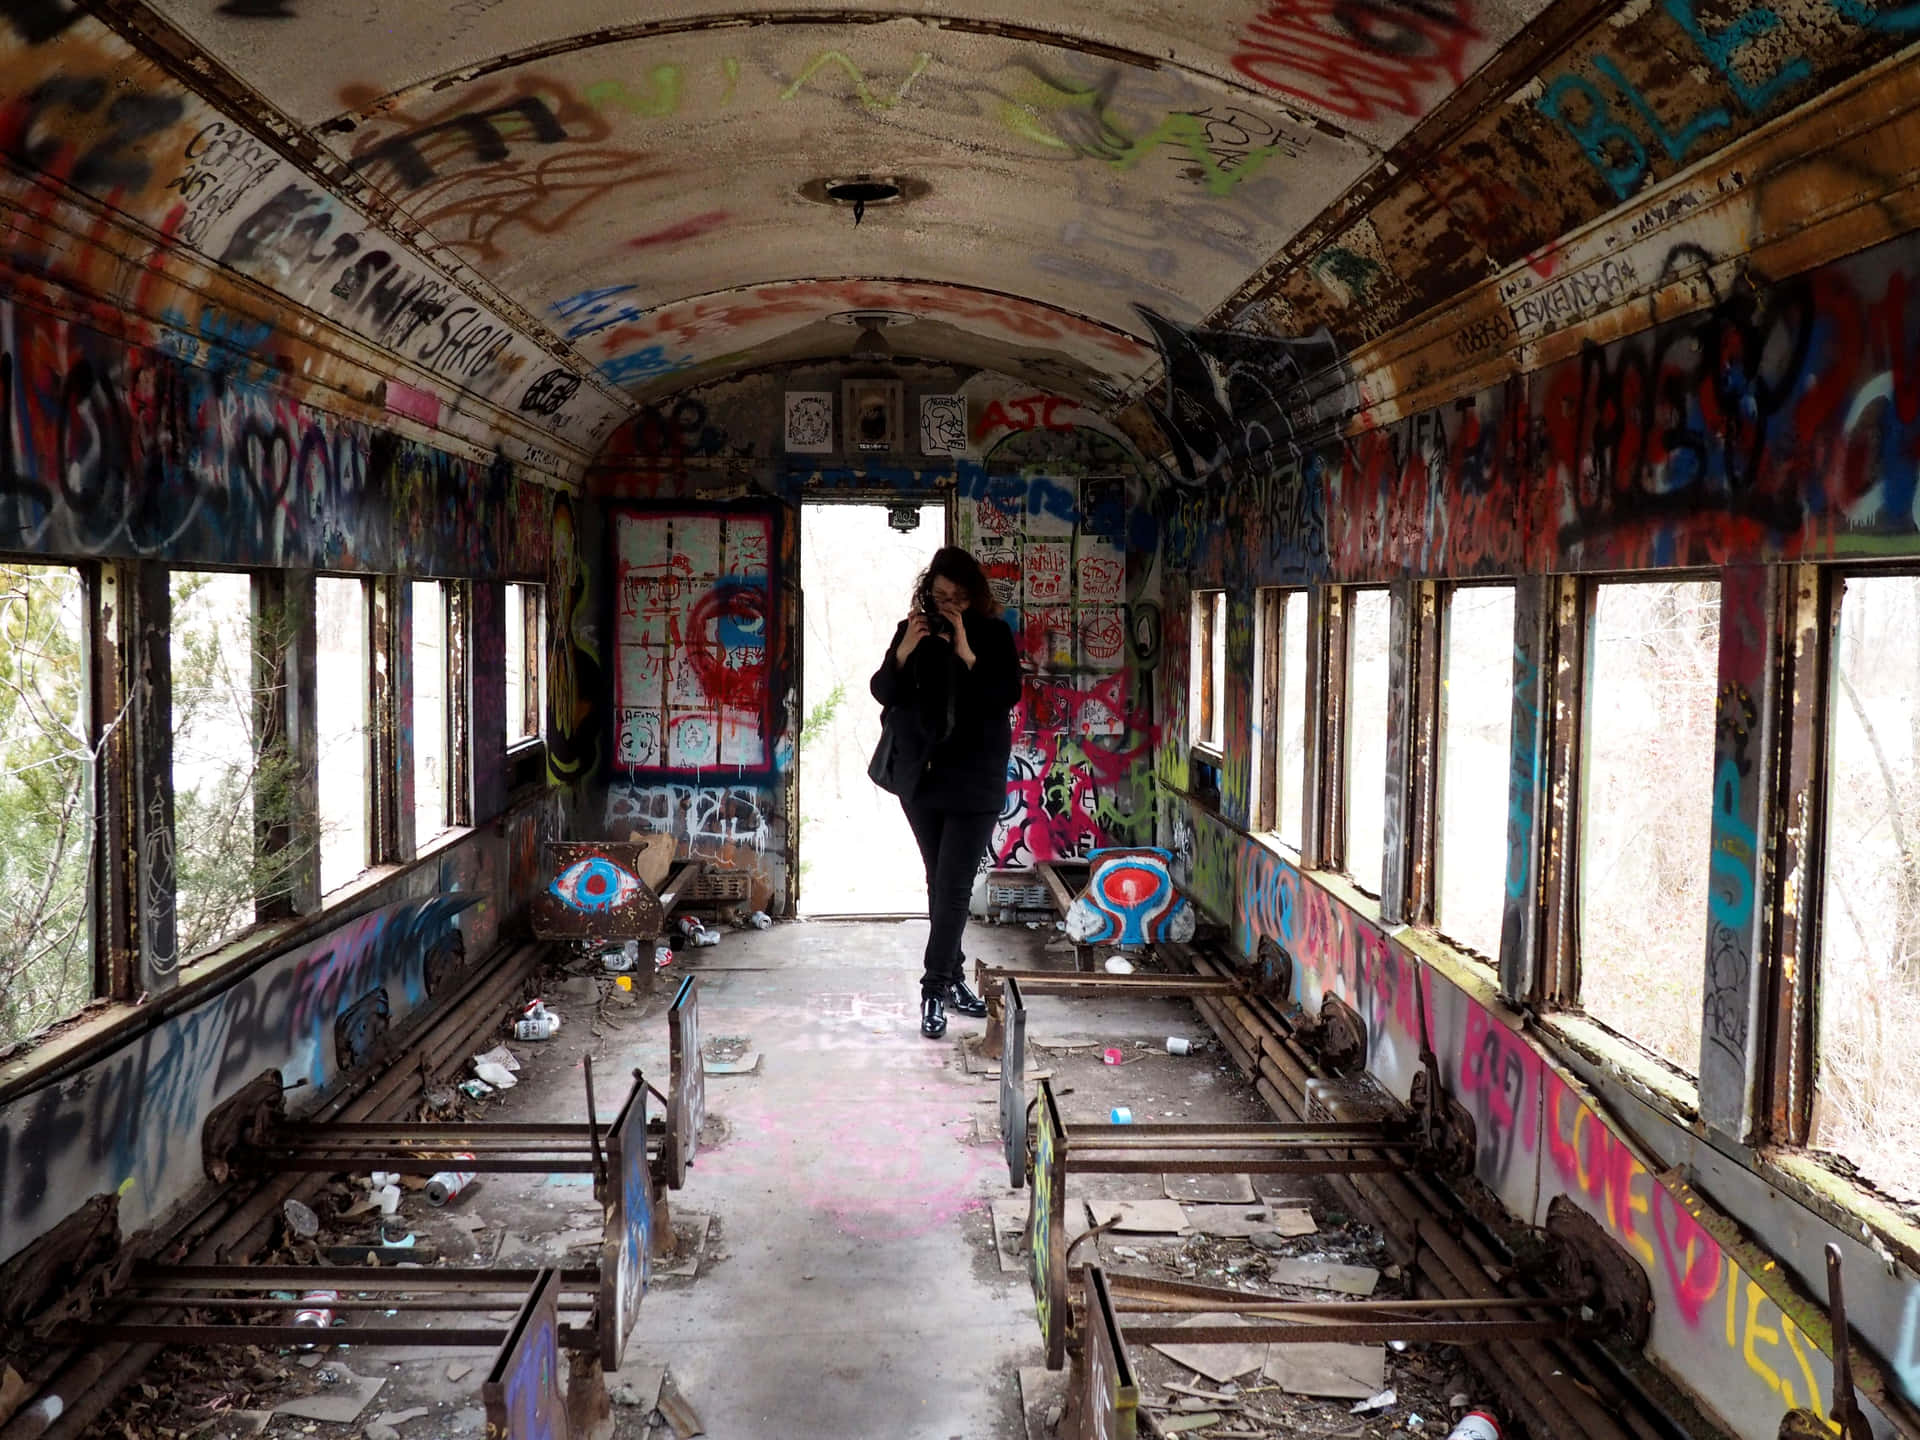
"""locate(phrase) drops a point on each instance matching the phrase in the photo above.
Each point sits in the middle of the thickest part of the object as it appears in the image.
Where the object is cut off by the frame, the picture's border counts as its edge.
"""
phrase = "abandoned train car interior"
(1446, 960)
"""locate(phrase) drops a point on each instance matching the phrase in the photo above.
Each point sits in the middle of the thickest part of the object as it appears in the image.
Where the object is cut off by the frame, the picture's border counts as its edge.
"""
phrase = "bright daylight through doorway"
(857, 856)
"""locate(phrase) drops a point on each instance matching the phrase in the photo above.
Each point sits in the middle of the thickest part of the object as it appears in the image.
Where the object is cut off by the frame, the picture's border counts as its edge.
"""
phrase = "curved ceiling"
(562, 211)
(639, 185)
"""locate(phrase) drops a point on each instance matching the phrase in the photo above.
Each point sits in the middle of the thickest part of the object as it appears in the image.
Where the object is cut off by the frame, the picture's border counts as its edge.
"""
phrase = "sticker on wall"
(640, 739)
(809, 422)
(871, 411)
(1045, 565)
(1102, 573)
(1103, 636)
(943, 424)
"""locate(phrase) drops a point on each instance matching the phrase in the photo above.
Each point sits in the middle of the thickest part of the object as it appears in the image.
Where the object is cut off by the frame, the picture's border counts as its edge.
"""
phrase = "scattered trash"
(498, 1076)
(624, 1395)
(500, 1055)
(1415, 1422)
(1180, 1424)
(449, 1183)
(536, 1022)
(1475, 1425)
(300, 1219)
(401, 1417)
(618, 959)
(1382, 1401)
(684, 1419)
(1118, 965)
(760, 920)
(478, 1089)
(1179, 1045)
(388, 1198)
(1122, 1115)
(625, 982)
(745, 1065)
(458, 1371)
(1112, 1055)
(381, 1178)
(314, 1313)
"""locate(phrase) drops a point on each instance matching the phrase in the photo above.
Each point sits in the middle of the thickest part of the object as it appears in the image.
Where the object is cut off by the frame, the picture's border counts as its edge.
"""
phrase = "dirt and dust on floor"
(850, 1259)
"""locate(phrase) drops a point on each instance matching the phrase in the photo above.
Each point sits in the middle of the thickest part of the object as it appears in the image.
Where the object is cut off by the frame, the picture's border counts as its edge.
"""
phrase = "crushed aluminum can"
(315, 1312)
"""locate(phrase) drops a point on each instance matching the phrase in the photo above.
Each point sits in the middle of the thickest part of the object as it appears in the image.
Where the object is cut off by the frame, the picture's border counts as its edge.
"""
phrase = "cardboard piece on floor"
(1209, 1189)
(1324, 1275)
(338, 1404)
(1233, 1222)
(1219, 1363)
(644, 1380)
(745, 1065)
(1040, 1390)
(1140, 1217)
(1180, 1424)
(1332, 1372)
(397, 1418)
(690, 1234)
(1010, 1225)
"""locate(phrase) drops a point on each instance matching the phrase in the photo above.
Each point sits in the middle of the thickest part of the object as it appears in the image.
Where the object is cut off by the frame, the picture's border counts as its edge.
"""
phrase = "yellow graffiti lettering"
(1636, 1204)
(1756, 1297)
(1733, 1289)
(1814, 1402)
(1581, 1119)
(869, 101)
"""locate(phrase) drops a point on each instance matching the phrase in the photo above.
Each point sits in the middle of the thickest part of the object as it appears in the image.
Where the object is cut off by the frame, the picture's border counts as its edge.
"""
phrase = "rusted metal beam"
(1056, 887)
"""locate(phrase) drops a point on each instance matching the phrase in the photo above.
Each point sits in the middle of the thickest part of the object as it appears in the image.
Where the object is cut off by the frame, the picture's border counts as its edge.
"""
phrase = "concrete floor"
(859, 1296)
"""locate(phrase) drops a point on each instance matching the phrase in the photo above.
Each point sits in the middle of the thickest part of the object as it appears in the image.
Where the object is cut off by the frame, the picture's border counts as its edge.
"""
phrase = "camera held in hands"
(937, 622)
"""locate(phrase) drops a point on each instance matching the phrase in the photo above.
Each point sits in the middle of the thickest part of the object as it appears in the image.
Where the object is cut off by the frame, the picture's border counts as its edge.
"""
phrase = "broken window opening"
(525, 626)
(47, 764)
(1369, 676)
(342, 654)
(430, 711)
(1476, 725)
(1208, 723)
(1865, 1106)
(228, 788)
(1646, 811)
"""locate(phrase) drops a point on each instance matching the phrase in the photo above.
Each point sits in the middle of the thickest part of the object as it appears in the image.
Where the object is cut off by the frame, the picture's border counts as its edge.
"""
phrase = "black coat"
(966, 771)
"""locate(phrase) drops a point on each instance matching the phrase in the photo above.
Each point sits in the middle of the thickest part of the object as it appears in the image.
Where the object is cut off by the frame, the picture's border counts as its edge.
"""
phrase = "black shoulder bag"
(906, 739)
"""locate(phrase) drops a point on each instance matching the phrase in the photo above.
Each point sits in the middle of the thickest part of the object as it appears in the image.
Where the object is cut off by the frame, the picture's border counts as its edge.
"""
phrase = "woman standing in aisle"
(948, 682)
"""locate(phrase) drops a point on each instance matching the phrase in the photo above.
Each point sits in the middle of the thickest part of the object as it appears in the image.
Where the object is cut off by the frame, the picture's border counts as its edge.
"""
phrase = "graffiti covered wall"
(129, 1121)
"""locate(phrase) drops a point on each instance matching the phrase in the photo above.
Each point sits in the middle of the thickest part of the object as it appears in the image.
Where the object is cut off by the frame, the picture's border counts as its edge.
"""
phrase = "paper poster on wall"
(809, 422)
(690, 639)
(943, 424)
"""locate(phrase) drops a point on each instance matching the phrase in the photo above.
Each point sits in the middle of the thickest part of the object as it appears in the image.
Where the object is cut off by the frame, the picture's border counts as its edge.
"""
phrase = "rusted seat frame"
(629, 1237)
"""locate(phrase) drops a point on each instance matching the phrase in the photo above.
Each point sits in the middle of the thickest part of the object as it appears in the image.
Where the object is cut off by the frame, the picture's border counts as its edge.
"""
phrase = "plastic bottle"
(449, 1183)
(760, 920)
(1475, 1425)
(314, 1312)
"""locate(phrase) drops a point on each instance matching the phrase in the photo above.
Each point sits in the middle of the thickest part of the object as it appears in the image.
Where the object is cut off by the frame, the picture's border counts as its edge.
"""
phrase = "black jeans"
(951, 843)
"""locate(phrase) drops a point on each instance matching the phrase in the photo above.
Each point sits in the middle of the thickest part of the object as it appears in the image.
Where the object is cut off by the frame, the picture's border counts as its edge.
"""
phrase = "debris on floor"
(1333, 1372)
(341, 1397)
(1217, 1362)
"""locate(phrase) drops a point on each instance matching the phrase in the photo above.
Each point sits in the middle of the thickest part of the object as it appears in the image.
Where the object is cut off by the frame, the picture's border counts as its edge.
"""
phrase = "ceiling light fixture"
(871, 344)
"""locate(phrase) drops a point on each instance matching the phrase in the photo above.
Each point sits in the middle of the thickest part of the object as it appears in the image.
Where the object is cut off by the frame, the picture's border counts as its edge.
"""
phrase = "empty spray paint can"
(314, 1312)
(1475, 1425)
(448, 1183)
(536, 1027)
(760, 920)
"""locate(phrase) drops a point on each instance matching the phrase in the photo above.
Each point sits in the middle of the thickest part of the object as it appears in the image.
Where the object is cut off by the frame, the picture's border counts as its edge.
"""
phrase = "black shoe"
(933, 1017)
(964, 1002)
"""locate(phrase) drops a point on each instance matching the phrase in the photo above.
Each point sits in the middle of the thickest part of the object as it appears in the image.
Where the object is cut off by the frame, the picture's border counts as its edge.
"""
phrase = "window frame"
(1207, 717)
(533, 677)
(1650, 1066)
(1443, 688)
(445, 591)
(377, 705)
(1375, 889)
(1273, 617)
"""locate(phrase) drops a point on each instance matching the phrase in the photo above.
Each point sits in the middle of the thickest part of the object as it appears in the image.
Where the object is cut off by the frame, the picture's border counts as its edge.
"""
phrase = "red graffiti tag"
(1024, 412)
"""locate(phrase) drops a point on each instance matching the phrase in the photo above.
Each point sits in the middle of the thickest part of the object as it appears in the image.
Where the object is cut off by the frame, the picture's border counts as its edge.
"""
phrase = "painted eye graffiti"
(595, 884)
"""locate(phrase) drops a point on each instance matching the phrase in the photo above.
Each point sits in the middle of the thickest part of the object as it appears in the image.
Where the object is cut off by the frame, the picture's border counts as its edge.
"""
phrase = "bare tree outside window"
(429, 710)
(46, 800)
(1476, 731)
(341, 655)
(1866, 1107)
(1646, 811)
(1369, 641)
(227, 788)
